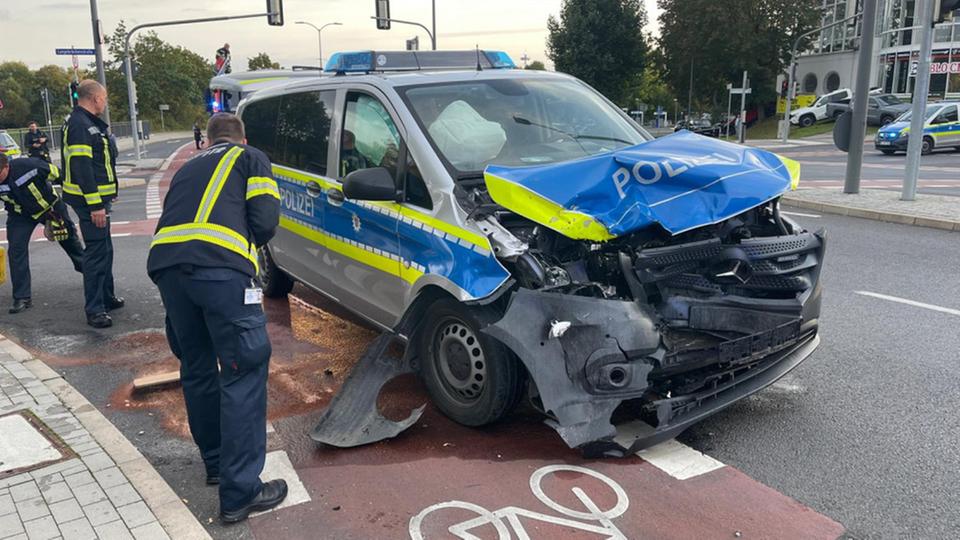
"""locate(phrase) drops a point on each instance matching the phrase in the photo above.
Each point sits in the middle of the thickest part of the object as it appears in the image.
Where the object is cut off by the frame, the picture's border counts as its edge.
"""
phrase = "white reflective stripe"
(26, 177)
(220, 175)
(261, 185)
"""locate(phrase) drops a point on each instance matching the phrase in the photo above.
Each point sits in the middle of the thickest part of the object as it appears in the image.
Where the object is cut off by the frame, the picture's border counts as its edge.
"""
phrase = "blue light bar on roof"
(370, 61)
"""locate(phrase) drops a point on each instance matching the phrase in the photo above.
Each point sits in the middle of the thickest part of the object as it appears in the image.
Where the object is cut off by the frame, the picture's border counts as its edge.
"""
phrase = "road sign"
(75, 61)
(164, 107)
(741, 91)
(72, 51)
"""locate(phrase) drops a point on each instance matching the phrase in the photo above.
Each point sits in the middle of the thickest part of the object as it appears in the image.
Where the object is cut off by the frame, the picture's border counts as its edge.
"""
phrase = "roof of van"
(252, 81)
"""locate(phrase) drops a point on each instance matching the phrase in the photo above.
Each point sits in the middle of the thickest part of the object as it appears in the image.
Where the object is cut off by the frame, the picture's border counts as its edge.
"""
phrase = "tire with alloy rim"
(275, 282)
(472, 378)
(807, 120)
(927, 146)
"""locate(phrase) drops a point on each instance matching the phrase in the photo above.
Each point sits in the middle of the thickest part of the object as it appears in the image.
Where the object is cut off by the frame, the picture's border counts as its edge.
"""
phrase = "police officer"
(37, 142)
(222, 205)
(89, 186)
(29, 201)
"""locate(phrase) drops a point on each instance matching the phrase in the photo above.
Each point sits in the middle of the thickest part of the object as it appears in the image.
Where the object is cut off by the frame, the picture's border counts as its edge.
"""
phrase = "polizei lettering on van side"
(296, 202)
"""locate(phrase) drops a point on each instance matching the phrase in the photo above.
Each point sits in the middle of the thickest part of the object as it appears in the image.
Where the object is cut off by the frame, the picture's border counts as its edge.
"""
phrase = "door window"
(303, 130)
(370, 137)
(949, 115)
(260, 125)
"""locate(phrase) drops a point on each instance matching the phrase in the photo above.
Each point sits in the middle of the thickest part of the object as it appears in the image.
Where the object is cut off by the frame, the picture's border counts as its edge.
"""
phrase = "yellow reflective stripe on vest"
(217, 235)
(261, 185)
(79, 150)
(106, 163)
(44, 206)
(216, 183)
(54, 172)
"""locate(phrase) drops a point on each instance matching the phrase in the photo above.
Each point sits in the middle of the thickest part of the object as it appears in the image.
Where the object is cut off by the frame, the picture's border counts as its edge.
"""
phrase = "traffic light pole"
(920, 90)
(858, 125)
(98, 51)
(433, 38)
(131, 88)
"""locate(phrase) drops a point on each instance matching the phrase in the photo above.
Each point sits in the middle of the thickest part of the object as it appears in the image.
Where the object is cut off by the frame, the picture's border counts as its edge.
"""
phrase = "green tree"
(600, 42)
(16, 84)
(163, 73)
(261, 61)
(56, 80)
(536, 65)
(650, 89)
(719, 39)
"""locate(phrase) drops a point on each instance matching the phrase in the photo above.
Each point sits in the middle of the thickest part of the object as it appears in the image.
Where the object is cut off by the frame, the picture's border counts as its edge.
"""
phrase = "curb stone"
(890, 217)
(172, 514)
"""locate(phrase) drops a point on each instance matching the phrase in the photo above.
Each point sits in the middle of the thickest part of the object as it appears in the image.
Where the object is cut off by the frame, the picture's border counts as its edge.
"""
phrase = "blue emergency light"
(379, 61)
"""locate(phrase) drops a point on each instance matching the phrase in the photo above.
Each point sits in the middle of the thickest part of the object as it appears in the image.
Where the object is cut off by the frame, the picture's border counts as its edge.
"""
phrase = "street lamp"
(676, 111)
(319, 36)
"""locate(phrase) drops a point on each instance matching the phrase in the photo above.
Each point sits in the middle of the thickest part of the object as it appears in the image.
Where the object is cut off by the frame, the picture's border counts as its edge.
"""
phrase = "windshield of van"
(6, 140)
(513, 122)
(931, 111)
(888, 99)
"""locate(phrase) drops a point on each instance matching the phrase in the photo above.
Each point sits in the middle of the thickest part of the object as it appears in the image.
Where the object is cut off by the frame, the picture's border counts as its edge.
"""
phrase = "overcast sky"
(32, 29)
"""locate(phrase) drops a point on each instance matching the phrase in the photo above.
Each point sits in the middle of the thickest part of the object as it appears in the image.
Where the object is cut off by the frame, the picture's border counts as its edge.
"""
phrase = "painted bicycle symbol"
(507, 519)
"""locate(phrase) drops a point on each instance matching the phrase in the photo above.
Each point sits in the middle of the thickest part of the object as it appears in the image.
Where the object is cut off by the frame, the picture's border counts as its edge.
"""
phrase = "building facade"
(829, 62)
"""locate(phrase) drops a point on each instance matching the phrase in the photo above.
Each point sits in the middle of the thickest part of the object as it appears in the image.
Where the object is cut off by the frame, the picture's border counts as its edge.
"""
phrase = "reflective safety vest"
(89, 164)
(27, 190)
(222, 205)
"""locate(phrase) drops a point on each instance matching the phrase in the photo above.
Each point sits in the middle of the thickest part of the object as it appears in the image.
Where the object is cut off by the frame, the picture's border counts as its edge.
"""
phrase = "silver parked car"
(527, 238)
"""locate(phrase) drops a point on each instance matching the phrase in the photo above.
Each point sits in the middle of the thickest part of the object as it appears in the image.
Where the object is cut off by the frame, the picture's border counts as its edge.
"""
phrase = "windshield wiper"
(602, 138)
(576, 137)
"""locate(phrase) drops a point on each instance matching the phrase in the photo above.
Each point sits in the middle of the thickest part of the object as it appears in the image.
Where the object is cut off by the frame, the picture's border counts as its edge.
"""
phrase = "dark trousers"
(19, 230)
(97, 262)
(226, 410)
(197, 143)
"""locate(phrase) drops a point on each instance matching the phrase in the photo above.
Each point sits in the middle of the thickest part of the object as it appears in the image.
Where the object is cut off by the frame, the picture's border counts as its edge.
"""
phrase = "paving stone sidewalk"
(935, 211)
(102, 487)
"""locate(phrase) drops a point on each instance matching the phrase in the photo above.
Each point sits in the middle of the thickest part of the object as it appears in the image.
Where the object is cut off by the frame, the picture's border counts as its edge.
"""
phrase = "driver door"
(947, 128)
(363, 259)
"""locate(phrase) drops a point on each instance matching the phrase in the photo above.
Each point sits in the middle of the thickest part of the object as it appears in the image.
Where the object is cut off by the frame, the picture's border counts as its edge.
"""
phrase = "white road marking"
(800, 214)
(277, 465)
(679, 460)
(931, 307)
(120, 235)
(153, 204)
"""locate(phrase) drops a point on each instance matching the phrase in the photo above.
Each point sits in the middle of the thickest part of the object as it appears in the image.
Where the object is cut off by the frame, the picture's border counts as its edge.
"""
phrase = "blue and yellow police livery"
(941, 129)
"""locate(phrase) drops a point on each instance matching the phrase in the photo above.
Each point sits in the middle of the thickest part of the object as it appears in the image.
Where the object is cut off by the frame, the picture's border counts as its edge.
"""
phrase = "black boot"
(100, 320)
(114, 302)
(20, 304)
(272, 494)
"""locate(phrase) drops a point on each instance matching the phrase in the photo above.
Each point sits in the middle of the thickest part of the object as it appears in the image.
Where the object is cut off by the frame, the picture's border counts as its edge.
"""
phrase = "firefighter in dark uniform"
(222, 205)
(89, 186)
(37, 143)
(30, 200)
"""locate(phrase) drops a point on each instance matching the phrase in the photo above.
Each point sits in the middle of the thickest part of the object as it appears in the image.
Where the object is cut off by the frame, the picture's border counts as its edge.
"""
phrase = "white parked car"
(807, 116)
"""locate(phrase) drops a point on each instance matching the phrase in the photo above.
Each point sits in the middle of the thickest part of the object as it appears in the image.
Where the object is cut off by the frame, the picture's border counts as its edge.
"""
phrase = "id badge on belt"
(252, 294)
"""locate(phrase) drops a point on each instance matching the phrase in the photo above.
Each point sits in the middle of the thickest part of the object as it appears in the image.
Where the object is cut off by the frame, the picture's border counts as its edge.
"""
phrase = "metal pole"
(433, 39)
(434, 6)
(320, 47)
(726, 120)
(98, 51)
(858, 126)
(920, 91)
(690, 93)
(743, 109)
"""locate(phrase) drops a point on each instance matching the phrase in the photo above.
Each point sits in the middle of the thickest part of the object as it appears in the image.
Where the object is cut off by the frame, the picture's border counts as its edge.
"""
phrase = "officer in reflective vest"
(222, 206)
(89, 186)
(29, 200)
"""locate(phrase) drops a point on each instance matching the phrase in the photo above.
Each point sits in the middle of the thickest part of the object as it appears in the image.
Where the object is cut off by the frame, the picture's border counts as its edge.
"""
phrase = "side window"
(303, 130)
(370, 138)
(950, 115)
(260, 122)
(415, 190)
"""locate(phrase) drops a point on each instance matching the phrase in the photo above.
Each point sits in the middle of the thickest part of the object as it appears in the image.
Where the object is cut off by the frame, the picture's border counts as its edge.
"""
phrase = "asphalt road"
(825, 166)
(865, 431)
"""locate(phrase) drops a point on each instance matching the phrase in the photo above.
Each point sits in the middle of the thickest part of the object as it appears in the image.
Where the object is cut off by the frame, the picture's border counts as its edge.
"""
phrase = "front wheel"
(807, 120)
(927, 147)
(275, 282)
(472, 378)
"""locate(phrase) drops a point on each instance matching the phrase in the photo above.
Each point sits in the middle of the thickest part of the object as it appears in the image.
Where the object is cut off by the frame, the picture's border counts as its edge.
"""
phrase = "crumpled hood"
(681, 181)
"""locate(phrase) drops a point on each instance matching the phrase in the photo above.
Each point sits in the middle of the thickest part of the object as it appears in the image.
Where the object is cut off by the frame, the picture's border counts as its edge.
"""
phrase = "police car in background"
(9, 146)
(528, 238)
(941, 128)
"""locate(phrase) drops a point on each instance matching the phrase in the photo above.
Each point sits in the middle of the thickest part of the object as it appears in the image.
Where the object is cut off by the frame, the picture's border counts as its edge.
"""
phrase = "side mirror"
(373, 184)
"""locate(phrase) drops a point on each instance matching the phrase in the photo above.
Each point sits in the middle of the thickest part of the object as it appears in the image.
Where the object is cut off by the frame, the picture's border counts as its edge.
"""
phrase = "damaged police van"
(525, 237)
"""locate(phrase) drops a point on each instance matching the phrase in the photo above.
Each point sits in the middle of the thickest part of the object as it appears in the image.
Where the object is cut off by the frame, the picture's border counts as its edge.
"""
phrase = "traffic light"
(383, 14)
(275, 12)
(74, 93)
(783, 88)
(942, 8)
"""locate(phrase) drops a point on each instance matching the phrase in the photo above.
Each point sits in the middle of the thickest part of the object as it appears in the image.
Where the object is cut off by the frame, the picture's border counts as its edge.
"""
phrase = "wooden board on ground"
(156, 381)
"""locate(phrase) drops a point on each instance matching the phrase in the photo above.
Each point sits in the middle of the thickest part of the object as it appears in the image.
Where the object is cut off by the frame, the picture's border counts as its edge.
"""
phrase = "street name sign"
(68, 52)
